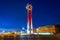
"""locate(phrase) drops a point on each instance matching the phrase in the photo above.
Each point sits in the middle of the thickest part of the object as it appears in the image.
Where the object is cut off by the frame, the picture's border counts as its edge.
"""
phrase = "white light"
(29, 7)
(3, 31)
(34, 33)
(28, 31)
(23, 28)
(15, 32)
(45, 33)
(21, 32)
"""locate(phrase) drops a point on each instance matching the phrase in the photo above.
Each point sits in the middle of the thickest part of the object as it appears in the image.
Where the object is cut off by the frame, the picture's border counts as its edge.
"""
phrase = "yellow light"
(15, 32)
(3, 31)
(29, 7)
(9, 34)
(37, 29)
(14, 35)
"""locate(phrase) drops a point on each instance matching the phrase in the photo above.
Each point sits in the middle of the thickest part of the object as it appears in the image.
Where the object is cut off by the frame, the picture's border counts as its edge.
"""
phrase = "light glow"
(45, 33)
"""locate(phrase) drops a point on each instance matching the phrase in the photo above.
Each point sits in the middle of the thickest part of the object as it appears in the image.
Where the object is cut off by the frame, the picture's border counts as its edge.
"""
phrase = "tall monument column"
(29, 19)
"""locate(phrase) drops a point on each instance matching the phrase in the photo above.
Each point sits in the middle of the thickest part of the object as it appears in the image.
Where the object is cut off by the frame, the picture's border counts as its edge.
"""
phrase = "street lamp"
(23, 28)
(3, 31)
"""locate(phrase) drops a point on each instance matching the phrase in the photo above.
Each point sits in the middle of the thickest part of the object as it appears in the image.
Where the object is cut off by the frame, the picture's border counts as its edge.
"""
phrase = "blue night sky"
(13, 13)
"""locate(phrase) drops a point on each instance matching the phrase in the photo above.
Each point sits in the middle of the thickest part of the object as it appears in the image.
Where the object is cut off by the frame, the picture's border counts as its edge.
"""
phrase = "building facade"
(49, 28)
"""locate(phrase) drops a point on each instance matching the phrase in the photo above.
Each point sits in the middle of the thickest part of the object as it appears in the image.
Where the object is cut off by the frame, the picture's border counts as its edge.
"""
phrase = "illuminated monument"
(29, 19)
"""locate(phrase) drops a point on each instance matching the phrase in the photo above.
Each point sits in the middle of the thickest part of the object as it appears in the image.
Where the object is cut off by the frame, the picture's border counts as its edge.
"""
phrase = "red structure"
(29, 19)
